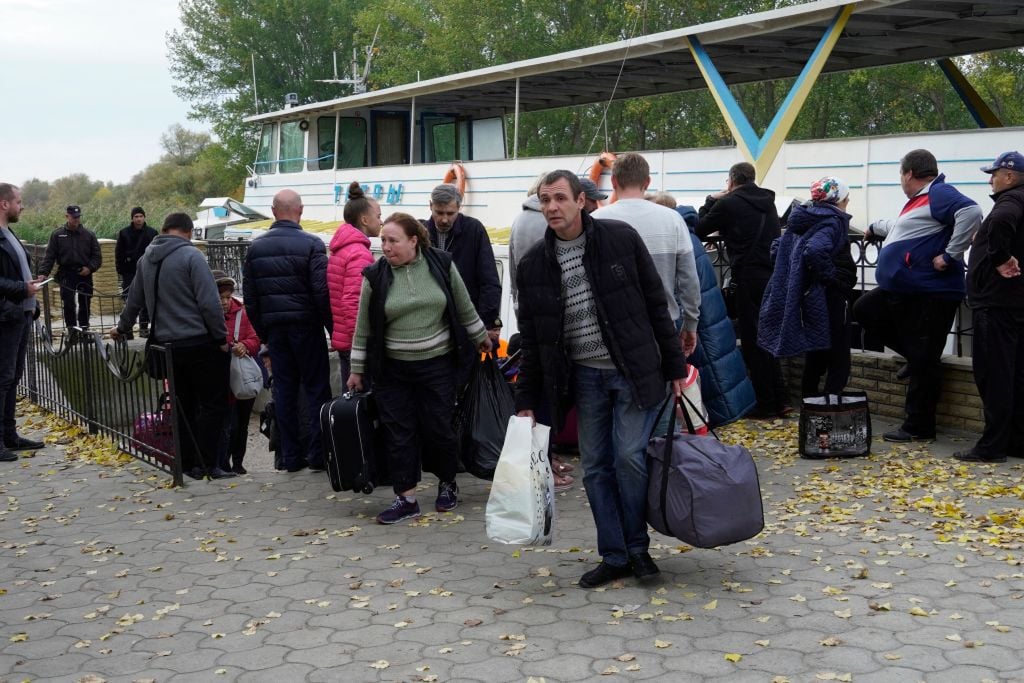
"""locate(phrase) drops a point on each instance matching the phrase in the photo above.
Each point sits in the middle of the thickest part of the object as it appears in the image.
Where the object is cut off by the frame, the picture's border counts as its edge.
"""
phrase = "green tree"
(291, 42)
(35, 193)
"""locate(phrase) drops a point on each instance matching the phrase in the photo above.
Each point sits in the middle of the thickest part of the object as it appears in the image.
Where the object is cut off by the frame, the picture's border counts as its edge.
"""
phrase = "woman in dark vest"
(416, 328)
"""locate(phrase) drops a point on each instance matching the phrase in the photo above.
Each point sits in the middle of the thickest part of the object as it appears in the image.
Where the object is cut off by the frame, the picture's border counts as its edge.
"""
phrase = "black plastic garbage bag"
(483, 416)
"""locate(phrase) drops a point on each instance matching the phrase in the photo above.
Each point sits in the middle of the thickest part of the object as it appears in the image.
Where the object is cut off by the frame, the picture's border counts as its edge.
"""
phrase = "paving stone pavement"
(904, 566)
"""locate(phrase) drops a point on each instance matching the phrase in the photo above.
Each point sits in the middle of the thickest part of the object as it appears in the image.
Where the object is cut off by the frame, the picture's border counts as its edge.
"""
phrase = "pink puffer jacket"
(350, 253)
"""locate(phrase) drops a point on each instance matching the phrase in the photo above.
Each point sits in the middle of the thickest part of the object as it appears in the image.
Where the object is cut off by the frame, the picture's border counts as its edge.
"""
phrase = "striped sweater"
(415, 328)
(583, 339)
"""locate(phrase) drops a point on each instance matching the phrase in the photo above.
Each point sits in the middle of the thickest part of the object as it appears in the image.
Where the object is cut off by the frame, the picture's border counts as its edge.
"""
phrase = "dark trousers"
(298, 357)
(76, 298)
(415, 400)
(833, 362)
(14, 339)
(234, 434)
(201, 389)
(916, 327)
(126, 284)
(999, 373)
(764, 368)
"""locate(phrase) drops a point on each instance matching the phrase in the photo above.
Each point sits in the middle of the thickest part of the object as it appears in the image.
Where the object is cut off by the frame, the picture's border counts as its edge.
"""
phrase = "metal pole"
(176, 464)
(412, 131)
(515, 126)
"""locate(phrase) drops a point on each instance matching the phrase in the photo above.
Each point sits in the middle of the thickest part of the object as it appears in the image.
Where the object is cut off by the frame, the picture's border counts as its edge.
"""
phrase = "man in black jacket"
(132, 241)
(17, 307)
(746, 218)
(76, 251)
(284, 285)
(995, 293)
(466, 240)
(596, 331)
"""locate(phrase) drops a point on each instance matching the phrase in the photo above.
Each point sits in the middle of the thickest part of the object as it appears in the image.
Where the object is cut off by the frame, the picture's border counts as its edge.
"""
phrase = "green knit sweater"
(414, 326)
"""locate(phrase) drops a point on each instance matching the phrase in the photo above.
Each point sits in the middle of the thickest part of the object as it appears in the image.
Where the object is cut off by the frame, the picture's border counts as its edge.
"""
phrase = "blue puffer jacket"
(727, 392)
(794, 312)
(285, 280)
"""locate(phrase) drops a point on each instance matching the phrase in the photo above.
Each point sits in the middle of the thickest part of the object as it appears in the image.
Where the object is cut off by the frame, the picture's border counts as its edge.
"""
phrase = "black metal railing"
(229, 257)
(104, 387)
(865, 256)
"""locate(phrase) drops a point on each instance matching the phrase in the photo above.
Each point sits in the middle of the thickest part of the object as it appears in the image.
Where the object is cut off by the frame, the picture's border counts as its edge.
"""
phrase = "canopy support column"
(515, 126)
(761, 151)
(978, 108)
(412, 131)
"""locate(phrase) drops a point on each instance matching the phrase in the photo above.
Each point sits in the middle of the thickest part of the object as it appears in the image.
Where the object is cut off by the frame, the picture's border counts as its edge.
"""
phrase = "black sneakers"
(20, 443)
(903, 436)
(447, 496)
(972, 455)
(604, 573)
(218, 473)
(399, 510)
(643, 566)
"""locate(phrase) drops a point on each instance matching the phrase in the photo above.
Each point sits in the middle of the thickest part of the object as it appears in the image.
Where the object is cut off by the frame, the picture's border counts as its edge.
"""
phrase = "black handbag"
(835, 425)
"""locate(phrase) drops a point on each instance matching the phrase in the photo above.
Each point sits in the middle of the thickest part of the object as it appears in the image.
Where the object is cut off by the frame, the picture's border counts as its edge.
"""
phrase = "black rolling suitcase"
(349, 430)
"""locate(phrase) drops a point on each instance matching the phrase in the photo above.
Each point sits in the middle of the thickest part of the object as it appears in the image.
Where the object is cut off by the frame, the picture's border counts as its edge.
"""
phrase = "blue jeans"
(613, 435)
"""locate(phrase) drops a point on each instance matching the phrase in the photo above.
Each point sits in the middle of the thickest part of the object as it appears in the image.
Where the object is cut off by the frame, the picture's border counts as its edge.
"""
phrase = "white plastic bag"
(521, 507)
(694, 404)
(246, 377)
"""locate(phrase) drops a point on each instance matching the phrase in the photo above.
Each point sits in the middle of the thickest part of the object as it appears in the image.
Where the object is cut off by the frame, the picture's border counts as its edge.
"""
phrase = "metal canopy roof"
(756, 47)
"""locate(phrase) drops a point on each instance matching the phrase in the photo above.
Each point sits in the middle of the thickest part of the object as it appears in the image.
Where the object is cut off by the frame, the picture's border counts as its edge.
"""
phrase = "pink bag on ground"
(155, 432)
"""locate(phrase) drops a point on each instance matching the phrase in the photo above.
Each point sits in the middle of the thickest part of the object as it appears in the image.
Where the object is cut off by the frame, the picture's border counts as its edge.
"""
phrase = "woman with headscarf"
(806, 307)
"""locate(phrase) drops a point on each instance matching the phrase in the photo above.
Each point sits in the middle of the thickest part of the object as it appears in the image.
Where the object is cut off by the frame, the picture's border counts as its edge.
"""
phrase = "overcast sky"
(86, 87)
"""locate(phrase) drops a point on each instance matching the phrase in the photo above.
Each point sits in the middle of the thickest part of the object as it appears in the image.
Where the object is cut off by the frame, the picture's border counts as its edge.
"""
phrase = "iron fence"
(865, 256)
(228, 256)
(104, 387)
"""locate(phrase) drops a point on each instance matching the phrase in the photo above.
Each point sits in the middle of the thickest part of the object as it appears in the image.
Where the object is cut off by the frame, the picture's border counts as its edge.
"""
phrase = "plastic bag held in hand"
(521, 507)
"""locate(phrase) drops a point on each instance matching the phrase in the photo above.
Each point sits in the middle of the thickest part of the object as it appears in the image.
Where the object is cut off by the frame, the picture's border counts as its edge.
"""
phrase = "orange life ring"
(603, 162)
(456, 175)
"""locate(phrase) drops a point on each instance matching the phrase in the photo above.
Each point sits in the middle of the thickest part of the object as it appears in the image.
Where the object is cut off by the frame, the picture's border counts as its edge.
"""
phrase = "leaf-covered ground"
(901, 566)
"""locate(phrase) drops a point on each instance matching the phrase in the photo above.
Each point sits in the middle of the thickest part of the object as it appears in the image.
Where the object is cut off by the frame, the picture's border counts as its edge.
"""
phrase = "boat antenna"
(255, 100)
(603, 125)
(356, 80)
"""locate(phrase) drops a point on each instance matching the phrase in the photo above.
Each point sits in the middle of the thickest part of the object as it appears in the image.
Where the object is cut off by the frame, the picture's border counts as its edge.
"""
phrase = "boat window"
(325, 127)
(442, 139)
(390, 139)
(462, 132)
(488, 139)
(352, 143)
(267, 154)
(292, 157)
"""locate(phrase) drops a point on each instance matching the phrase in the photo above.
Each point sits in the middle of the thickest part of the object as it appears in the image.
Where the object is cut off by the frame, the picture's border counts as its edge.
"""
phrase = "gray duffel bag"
(700, 490)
